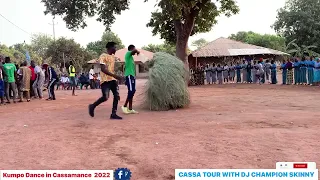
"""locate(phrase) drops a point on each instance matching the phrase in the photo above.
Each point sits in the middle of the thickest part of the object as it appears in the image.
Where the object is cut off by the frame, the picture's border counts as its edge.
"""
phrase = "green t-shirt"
(10, 70)
(129, 65)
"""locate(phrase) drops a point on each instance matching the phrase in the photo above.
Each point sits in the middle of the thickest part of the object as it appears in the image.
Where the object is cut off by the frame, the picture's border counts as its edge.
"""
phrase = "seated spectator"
(84, 81)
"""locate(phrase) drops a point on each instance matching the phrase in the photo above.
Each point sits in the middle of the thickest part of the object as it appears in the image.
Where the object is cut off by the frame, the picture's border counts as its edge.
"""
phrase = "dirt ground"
(226, 126)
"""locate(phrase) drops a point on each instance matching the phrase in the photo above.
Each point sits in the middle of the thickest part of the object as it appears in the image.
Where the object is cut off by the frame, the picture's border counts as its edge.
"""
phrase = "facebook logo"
(122, 174)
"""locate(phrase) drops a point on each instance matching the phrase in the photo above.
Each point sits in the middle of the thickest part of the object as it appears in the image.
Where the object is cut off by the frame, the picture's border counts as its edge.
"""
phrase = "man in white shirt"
(260, 72)
(91, 78)
(38, 83)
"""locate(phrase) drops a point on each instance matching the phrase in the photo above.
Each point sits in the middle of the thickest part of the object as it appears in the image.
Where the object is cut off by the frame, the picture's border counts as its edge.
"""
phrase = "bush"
(166, 87)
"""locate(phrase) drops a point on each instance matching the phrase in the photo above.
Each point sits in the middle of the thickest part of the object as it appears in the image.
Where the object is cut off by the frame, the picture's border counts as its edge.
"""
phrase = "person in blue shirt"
(244, 71)
(52, 79)
(263, 78)
(238, 69)
(310, 67)
(316, 72)
(303, 69)
(284, 72)
(249, 74)
(296, 67)
(214, 73)
(273, 72)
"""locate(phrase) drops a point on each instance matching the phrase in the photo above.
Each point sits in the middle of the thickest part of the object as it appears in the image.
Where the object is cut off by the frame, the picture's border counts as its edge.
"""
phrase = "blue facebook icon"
(122, 174)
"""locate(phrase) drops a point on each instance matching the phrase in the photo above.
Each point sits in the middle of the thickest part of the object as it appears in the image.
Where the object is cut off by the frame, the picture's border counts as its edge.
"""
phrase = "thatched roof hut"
(224, 48)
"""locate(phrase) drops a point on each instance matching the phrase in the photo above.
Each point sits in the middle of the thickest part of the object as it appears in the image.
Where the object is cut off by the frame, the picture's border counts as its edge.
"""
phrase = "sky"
(255, 15)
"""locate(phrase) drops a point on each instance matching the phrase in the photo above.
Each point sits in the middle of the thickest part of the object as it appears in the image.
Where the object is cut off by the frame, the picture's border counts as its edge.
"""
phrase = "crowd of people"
(299, 71)
(18, 82)
(28, 81)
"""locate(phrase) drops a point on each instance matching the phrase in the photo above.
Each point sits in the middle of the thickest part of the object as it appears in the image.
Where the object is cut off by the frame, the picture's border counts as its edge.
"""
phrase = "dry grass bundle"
(166, 87)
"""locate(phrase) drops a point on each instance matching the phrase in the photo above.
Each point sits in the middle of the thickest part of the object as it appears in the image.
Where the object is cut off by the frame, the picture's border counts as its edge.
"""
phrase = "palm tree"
(299, 51)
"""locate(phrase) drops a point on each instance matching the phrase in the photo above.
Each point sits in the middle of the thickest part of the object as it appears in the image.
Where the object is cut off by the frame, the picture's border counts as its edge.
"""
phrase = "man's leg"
(1, 92)
(7, 86)
(35, 88)
(32, 93)
(52, 90)
(116, 97)
(40, 86)
(73, 85)
(105, 89)
(14, 89)
(131, 83)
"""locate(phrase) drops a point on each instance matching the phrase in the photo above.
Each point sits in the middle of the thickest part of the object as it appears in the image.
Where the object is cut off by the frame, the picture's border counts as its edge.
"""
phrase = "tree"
(99, 46)
(175, 21)
(40, 44)
(266, 40)
(23, 49)
(297, 51)
(168, 48)
(14, 54)
(199, 43)
(64, 50)
(299, 20)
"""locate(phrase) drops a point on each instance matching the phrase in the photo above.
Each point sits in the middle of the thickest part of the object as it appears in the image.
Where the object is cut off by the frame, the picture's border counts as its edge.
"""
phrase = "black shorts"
(108, 86)
(73, 81)
(131, 84)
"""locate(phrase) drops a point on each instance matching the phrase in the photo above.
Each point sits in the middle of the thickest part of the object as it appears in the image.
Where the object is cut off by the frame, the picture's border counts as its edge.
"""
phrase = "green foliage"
(99, 46)
(166, 87)
(199, 43)
(299, 20)
(64, 50)
(40, 44)
(265, 40)
(175, 20)
(75, 12)
(297, 51)
(166, 47)
(191, 17)
(17, 53)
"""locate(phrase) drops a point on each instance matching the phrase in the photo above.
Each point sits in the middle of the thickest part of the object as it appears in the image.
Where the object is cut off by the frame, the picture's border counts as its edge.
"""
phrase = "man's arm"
(135, 52)
(4, 74)
(104, 69)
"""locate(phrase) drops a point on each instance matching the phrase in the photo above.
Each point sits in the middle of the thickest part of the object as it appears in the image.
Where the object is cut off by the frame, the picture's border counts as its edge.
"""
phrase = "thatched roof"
(222, 47)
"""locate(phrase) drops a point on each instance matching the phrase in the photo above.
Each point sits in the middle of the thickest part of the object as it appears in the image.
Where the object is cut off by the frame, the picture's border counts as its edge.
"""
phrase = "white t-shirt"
(37, 70)
(64, 79)
(91, 73)
(260, 69)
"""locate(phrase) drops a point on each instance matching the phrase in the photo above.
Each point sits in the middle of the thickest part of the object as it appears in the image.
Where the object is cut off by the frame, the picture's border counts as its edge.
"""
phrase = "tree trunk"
(181, 53)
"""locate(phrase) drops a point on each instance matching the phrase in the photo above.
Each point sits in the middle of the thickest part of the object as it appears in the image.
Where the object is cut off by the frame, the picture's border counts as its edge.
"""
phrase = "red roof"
(121, 53)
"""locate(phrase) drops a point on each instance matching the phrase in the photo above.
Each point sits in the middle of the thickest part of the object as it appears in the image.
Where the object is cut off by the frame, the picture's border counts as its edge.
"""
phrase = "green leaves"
(175, 20)
(266, 40)
(168, 48)
(74, 12)
(201, 13)
(63, 50)
(99, 46)
(299, 20)
(199, 43)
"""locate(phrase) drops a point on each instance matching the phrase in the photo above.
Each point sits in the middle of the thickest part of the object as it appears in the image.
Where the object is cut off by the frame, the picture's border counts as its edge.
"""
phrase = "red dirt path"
(227, 126)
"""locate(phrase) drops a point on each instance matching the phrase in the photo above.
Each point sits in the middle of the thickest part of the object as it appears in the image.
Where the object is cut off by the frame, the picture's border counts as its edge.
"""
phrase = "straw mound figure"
(166, 87)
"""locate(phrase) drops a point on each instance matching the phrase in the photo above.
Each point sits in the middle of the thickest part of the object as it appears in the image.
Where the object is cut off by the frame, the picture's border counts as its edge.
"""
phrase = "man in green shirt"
(129, 73)
(10, 80)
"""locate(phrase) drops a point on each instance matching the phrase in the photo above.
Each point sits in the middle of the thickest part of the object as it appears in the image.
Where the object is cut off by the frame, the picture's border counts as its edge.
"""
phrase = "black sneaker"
(91, 110)
(115, 117)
